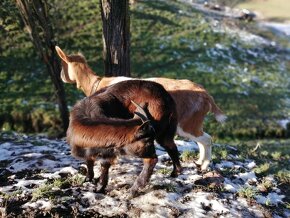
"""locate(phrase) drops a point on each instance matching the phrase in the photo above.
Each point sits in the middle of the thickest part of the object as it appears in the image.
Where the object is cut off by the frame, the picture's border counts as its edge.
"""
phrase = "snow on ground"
(282, 28)
(28, 163)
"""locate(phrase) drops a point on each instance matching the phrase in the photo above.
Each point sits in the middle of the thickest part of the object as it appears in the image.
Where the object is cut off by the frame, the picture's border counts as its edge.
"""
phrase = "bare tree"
(116, 37)
(35, 16)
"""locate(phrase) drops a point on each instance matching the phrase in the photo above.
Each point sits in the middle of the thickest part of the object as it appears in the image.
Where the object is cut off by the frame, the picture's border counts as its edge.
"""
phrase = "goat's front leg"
(104, 177)
(144, 176)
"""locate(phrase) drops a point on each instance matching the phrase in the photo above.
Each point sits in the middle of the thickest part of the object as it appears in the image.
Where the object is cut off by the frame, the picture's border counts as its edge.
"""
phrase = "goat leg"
(144, 176)
(171, 149)
(104, 177)
(90, 170)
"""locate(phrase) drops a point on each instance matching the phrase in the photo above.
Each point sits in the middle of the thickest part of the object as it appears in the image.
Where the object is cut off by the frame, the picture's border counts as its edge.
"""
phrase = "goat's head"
(69, 63)
(143, 142)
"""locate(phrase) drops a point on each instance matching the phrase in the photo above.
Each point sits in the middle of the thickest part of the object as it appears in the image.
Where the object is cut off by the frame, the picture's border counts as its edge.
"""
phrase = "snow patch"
(283, 123)
(248, 176)
(40, 204)
(4, 151)
(221, 118)
(225, 164)
(271, 199)
(251, 165)
(230, 186)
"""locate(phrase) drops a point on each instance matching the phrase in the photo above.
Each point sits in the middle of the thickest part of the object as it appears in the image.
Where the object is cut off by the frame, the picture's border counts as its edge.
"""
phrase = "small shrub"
(76, 180)
(276, 155)
(247, 192)
(9, 196)
(220, 153)
(284, 176)
(262, 169)
(264, 153)
(187, 156)
(46, 189)
(266, 184)
(164, 171)
(170, 187)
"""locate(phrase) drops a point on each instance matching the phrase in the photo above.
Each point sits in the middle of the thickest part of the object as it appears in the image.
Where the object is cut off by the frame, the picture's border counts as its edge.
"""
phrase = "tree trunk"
(116, 37)
(35, 16)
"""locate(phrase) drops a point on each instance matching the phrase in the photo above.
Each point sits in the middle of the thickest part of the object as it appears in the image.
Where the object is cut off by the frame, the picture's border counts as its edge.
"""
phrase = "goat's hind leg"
(205, 146)
(204, 142)
(102, 181)
(170, 147)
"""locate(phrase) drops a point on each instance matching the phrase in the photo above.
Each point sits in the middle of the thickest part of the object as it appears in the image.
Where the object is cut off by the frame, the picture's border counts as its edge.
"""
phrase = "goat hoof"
(95, 181)
(100, 190)
(174, 174)
(198, 167)
(87, 179)
(205, 165)
(198, 163)
(132, 194)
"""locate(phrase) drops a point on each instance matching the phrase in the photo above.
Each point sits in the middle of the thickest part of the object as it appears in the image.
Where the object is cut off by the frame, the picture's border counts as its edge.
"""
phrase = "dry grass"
(270, 9)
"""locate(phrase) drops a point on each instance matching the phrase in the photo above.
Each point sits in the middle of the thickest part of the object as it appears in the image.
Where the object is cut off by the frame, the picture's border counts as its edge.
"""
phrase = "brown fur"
(102, 126)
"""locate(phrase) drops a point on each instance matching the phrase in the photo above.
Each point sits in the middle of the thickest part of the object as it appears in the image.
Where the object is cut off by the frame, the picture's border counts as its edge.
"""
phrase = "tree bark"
(35, 16)
(116, 37)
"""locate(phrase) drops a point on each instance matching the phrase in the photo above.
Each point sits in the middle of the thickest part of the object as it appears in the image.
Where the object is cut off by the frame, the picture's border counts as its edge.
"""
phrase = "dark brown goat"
(101, 126)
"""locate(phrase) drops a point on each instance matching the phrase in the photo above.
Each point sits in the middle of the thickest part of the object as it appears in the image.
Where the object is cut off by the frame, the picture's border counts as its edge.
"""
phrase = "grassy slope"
(271, 9)
(170, 39)
(271, 156)
(175, 41)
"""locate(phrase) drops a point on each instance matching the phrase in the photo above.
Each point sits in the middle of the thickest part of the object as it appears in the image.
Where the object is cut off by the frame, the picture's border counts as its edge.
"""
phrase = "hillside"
(245, 68)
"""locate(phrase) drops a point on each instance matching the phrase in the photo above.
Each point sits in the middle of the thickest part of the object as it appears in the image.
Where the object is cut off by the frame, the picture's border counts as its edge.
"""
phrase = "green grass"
(164, 171)
(169, 39)
(247, 192)
(284, 175)
(271, 157)
(188, 156)
(270, 9)
(46, 190)
(51, 189)
(169, 187)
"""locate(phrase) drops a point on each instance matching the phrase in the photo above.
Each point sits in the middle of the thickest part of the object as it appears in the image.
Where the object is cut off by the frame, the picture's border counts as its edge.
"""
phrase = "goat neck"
(86, 80)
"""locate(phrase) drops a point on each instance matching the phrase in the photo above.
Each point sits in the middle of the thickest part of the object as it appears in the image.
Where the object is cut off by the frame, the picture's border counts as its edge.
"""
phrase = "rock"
(247, 15)
(212, 179)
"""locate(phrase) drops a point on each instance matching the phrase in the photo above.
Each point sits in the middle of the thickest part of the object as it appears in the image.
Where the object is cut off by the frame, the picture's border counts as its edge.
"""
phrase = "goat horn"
(140, 112)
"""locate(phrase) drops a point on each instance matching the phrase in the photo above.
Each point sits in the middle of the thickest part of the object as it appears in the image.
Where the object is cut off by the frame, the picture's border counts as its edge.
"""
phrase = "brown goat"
(193, 102)
(101, 126)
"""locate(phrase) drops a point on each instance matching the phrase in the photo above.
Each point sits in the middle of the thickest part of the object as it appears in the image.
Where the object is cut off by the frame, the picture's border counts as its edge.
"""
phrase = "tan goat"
(193, 102)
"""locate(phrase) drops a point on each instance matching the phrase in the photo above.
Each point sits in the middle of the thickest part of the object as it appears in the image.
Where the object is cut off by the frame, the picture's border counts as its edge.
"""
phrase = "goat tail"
(89, 140)
(218, 113)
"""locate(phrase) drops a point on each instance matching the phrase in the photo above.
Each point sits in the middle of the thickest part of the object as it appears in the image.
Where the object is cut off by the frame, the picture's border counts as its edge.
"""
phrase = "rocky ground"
(39, 178)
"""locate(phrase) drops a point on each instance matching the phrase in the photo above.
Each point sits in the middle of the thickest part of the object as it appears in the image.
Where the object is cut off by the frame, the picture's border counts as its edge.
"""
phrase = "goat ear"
(145, 130)
(61, 54)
